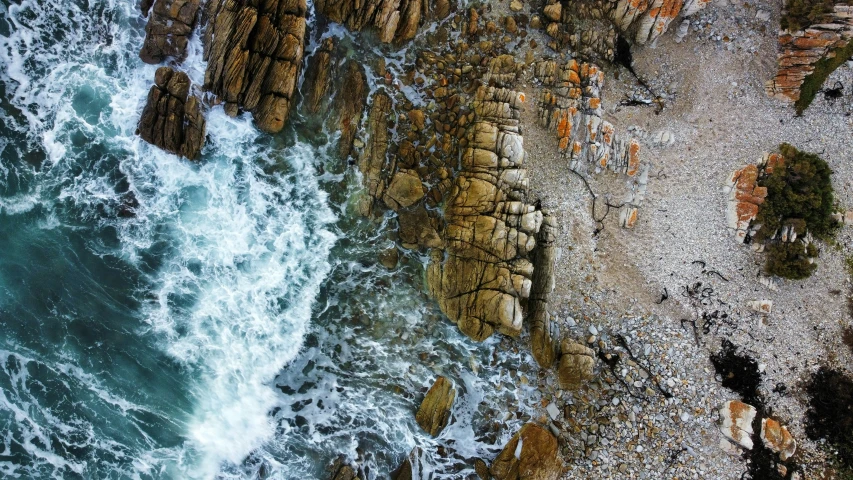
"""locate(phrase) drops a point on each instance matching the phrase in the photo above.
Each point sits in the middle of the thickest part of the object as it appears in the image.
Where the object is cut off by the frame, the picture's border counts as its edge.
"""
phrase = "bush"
(798, 193)
(800, 14)
(790, 260)
(822, 69)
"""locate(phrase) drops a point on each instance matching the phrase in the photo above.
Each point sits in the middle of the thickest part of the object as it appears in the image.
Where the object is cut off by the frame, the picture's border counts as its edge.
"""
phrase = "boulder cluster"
(590, 28)
(570, 104)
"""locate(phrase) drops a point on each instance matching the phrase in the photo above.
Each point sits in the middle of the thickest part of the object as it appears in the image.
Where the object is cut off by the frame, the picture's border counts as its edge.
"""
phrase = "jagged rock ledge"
(172, 118)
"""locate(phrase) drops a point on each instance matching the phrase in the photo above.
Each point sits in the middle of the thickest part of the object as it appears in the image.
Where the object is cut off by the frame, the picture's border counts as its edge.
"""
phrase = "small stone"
(553, 410)
(593, 330)
(516, 6)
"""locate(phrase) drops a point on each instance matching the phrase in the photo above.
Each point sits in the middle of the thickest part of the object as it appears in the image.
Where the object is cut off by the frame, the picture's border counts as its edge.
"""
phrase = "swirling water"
(222, 319)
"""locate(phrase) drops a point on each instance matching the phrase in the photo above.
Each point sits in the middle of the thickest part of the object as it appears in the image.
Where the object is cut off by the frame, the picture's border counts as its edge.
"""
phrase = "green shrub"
(799, 194)
(800, 14)
(790, 260)
(823, 68)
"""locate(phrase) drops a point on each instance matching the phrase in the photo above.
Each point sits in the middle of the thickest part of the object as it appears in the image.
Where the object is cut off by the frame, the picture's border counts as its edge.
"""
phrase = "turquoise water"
(222, 319)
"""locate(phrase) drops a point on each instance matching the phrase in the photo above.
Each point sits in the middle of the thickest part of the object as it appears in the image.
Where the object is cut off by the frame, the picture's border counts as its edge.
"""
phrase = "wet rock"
(348, 106)
(172, 119)
(482, 469)
(168, 30)
(318, 77)
(434, 412)
(340, 469)
(374, 164)
(412, 468)
(530, 455)
(417, 118)
(389, 257)
(254, 54)
(777, 438)
(542, 335)
(404, 190)
(484, 272)
(393, 20)
(736, 423)
(416, 229)
(577, 364)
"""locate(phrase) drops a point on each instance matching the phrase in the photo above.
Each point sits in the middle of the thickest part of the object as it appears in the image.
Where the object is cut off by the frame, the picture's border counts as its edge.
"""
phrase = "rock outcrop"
(646, 20)
(800, 52)
(172, 118)
(543, 336)
(480, 278)
(167, 33)
(342, 470)
(434, 412)
(590, 27)
(536, 459)
(736, 423)
(776, 437)
(374, 163)
(577, 364)
(745, 195)
(348, 105)
(571, 106)
(254, 53)
(318, 76)
(412, 468)
(394, 20)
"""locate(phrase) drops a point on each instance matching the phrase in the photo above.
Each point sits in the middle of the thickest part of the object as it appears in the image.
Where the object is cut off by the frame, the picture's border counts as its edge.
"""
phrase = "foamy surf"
(227, 257)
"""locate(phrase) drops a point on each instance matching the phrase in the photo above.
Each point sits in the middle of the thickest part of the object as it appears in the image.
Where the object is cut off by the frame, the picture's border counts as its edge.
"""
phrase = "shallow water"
(237, 323)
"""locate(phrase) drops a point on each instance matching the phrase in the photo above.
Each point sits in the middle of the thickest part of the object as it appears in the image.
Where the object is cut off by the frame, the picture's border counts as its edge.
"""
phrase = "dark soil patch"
(739, 372)
(847, 337)
(830, 414)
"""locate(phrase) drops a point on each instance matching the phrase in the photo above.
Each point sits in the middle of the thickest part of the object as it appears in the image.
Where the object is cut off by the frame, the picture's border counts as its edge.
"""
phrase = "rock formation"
(736, 423)
(542, 335)
(318, 76)
(483, 273)
(394, 20)
(800, 51)
(577, 363)
(434, 412)
(168, 30)
(589, 28)
(776, 437)
(745, 195)
(172, 118)
(373, 162)
(571, 106)
(411, 468)
(536, 460)
(342, 470)
(254, 54)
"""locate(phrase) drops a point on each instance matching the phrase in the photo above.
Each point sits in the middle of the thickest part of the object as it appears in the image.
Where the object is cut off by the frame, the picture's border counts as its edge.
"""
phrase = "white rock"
(736, 418)
(553, 411)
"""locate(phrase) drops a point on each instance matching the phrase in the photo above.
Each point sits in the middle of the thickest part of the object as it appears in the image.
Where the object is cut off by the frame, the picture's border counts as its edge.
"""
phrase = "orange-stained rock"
(777, 438)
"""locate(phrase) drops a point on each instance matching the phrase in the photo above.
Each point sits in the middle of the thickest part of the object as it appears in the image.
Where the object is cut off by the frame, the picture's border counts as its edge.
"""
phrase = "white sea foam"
(243, 234)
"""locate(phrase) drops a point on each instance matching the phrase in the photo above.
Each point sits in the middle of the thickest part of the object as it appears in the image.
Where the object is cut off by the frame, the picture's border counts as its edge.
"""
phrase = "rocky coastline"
(522, 186)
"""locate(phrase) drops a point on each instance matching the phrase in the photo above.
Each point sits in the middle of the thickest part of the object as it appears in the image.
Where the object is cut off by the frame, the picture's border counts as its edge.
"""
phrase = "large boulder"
(484, 271)
(172, 118)
(254, 54)
(167, 33)
(537, 459)
(577, 364)
(434, 412)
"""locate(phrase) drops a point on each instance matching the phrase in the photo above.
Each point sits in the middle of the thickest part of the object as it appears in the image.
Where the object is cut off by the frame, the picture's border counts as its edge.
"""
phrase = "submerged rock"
(340, 469)
(254, 55)
(168, 30)
(411, 468)
(434, 412)
(172, 118)
(530, 455)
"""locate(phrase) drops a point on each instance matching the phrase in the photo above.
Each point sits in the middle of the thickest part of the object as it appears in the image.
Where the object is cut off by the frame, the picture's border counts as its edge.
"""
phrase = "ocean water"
(161, 318)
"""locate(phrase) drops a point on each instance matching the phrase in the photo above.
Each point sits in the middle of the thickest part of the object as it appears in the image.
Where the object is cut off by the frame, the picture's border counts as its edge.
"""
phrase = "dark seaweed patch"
(739, 373)
(830, 414)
